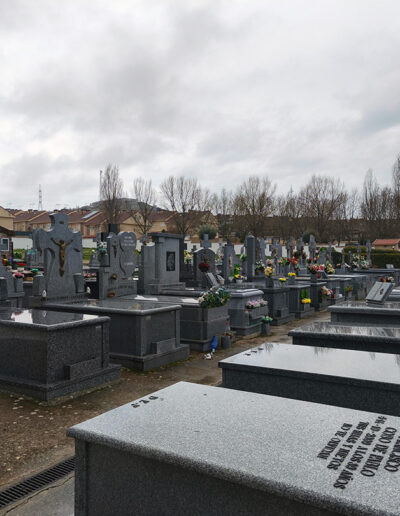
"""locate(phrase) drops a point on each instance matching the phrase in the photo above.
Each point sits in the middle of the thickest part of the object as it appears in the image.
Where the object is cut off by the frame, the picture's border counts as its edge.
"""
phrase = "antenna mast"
(40, 204)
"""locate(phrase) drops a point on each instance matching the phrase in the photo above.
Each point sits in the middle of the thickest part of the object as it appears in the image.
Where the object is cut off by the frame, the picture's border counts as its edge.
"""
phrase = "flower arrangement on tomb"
(387, 279)
(243, 257)
(292, 274)
(284, 261)
(348, 288)
(267, 319)
(270, 263)
(18, 275)
(329, 268)
(259, 266)
(187, 257)
(256, 303)
(204, 266)
(21, 264)
(269, 271)
(313, 268)
(306, 301)
(214, 297)
(5, 262)
(282, 280)
(102, 248)
(327, 292)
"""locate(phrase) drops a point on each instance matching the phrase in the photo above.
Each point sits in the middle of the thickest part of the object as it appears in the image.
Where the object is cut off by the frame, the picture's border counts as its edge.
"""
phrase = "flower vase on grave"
(269, 282)
(104, 260)
(291, 280)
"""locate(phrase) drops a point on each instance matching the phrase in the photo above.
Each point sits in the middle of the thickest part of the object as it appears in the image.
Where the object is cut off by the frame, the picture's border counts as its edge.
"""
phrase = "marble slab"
(195, 449)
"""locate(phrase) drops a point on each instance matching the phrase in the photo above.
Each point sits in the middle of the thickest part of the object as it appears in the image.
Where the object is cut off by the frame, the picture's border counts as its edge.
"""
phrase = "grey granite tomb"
(362, 338)
(143, 334)
(243, 320)
(359, 313)
(47, 354)
(195, 449)
(340, 377)
(198, 325)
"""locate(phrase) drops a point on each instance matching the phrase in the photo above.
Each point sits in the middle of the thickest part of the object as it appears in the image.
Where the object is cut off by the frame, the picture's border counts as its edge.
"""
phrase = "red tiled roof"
(386, 241)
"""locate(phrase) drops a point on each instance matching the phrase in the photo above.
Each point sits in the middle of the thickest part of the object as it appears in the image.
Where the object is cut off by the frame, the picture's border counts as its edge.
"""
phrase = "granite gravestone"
(203, 256)
(379, 293)
(168, 453)
(340, 377)
(230, 260)
(11, 288)
(368, 249)
(261, 247)
(250, 244)
(62, 252)
(329, 252)
(166, 263)
(116, 278)
(312, 247)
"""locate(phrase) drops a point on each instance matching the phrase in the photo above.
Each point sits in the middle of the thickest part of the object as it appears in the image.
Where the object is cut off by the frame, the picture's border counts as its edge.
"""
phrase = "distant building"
(386, 243)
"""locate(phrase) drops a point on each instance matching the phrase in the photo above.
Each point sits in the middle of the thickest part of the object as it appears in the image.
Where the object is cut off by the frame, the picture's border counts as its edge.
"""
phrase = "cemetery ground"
(34, 434)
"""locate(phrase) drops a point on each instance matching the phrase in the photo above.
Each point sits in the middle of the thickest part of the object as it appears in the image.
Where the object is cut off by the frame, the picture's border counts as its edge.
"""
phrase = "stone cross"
(205, 243)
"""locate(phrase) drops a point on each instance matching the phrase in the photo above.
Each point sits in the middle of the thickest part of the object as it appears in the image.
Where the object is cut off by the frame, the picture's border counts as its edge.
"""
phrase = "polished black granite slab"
(362, 338)
(29, 317)
(341, 377)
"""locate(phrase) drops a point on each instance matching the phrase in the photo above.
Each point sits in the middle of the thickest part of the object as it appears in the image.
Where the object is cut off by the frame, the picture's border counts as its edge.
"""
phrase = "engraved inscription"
(363, 448)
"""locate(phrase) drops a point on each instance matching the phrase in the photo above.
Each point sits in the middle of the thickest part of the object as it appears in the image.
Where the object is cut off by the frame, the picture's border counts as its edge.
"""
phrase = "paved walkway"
(33, 435)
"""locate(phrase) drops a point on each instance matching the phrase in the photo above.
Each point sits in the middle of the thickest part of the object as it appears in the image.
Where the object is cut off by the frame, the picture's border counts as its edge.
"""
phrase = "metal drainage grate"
(48, 476)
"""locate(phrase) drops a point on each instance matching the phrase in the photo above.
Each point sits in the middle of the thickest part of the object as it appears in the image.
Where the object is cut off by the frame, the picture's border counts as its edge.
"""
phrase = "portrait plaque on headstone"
(170, 261)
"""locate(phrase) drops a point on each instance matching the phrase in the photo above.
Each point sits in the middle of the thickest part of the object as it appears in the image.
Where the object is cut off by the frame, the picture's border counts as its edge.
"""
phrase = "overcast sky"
(216, 90)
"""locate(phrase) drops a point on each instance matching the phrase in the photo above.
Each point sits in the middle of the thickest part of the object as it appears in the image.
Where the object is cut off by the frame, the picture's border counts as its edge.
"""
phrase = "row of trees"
(323, 206)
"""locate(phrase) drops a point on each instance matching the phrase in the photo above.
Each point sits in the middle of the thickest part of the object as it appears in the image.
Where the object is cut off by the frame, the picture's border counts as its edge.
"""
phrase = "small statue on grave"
(62, 246)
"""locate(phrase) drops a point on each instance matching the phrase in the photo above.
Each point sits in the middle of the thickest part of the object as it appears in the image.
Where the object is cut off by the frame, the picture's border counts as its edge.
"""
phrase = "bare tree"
(321, 201)
(111, 194)
(189, 203)
(289, 213)
(145, 196)
(254, 201)
(223, 207)
(376, 207)
(396, 194)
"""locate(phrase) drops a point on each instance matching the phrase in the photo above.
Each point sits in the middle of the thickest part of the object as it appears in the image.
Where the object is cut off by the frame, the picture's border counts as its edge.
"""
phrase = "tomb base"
(151, 361)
